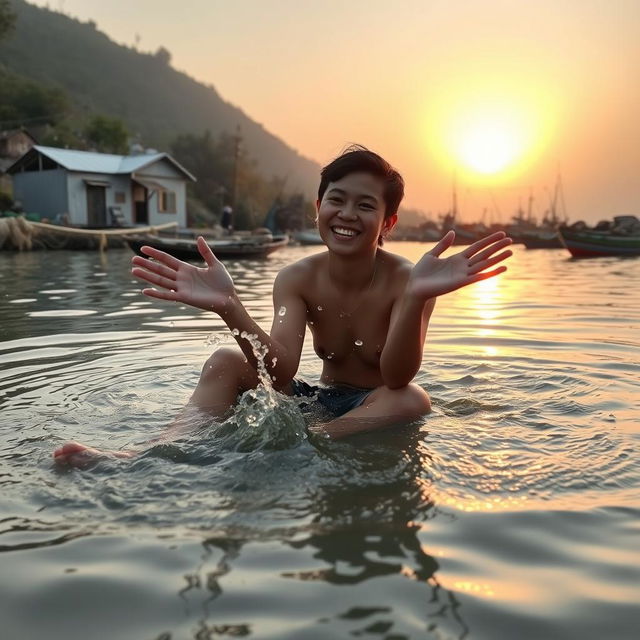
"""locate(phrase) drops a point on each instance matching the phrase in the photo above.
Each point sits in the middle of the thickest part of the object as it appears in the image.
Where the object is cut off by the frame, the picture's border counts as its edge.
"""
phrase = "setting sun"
(488, 145)
(493, 131)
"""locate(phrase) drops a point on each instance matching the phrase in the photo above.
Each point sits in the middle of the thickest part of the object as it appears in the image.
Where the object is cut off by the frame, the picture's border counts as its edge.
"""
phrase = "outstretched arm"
(211, 288)
(431, 277)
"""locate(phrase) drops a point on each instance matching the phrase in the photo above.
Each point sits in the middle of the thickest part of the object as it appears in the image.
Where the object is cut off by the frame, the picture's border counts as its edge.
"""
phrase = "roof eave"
(166, 156)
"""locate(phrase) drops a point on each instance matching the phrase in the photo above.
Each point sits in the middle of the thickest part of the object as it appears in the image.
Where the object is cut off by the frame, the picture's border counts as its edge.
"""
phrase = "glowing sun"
(488, 144)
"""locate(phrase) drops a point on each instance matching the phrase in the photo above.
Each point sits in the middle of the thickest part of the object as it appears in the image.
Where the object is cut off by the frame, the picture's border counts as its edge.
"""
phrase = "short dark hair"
(356, 158)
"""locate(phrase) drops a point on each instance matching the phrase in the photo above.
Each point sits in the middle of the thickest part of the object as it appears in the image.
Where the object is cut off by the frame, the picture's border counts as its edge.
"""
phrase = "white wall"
(166, 175)
(78, 195)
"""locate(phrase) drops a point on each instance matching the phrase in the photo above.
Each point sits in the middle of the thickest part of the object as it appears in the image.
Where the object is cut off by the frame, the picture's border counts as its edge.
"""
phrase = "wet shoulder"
(299, 274)
(397, 269)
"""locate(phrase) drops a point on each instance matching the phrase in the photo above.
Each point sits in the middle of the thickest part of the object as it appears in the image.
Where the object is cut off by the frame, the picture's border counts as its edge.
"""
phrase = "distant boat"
(308, 237)
(541, 238)
(228, 248)
(620, 238)
(545, 235)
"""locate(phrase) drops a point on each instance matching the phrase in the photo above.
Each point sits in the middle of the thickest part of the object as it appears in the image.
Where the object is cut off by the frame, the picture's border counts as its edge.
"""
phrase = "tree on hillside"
(163, 56)
(108, 135)
(23, 102)
(64, 135)
(201, 156)
(7, 18)
(226, 174)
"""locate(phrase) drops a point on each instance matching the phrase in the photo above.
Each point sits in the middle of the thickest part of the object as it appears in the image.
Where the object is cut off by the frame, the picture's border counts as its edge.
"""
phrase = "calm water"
(511, 512)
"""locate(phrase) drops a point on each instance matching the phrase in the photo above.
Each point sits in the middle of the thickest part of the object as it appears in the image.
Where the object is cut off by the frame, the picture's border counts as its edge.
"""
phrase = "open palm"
(434, 276)
(203, 287)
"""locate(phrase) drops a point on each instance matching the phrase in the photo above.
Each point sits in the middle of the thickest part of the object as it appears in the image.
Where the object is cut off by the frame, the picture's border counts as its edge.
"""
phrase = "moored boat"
(620, 238)
(308, 237)
(228, 248)
(542, 238)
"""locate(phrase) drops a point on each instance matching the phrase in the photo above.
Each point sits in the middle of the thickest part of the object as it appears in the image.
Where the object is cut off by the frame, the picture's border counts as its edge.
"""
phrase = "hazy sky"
(506, 91)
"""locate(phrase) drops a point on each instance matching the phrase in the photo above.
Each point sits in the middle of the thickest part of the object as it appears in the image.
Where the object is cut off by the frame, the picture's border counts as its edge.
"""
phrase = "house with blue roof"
(100, 190)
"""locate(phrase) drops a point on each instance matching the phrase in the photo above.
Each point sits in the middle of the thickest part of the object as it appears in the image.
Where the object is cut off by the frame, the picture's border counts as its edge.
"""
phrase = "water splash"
(259, 353)
(282, 311)
(212, 340)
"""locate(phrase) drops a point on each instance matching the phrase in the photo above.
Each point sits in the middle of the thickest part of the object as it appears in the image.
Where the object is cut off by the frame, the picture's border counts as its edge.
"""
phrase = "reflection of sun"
(484, 298)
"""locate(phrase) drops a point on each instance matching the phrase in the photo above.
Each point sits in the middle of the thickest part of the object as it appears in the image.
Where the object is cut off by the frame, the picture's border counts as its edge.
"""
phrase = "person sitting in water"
(368, 310)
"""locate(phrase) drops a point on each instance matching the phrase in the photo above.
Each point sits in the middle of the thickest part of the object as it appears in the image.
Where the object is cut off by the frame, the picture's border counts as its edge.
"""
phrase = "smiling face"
(351, 215)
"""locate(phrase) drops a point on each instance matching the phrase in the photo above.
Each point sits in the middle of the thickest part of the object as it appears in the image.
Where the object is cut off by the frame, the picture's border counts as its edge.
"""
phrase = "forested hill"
(151, 97)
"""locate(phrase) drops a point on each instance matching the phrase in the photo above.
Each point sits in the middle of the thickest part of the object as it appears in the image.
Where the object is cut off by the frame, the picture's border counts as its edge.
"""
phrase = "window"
(120, 197)
(166, 201)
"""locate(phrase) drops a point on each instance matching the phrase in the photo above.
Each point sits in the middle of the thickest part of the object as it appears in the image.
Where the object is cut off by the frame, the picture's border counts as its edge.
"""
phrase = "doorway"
(140, 204)
(96, 206)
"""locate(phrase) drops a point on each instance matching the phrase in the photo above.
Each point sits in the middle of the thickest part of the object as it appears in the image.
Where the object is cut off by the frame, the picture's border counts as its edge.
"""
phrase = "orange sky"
(518, 88)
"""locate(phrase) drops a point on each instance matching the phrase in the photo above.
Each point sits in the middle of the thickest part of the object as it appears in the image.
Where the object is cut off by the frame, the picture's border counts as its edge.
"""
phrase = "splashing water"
(212, 340)
(282, 311)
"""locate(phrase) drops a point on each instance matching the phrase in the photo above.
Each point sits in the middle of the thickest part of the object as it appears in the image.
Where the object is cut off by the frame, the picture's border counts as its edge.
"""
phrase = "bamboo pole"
(102, 232)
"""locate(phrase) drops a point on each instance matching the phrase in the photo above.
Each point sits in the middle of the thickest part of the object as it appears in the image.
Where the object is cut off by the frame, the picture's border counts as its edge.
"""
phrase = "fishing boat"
(259, 246)
(545, 235)
(542, 238)
(308, 237)
(618, 238)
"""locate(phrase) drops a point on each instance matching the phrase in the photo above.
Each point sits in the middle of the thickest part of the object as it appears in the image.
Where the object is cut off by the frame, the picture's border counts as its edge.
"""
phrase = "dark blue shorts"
(336, 399)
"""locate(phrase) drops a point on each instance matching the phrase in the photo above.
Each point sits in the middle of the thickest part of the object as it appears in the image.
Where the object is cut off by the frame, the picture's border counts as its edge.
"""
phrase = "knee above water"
(415, 400)
(222, 361)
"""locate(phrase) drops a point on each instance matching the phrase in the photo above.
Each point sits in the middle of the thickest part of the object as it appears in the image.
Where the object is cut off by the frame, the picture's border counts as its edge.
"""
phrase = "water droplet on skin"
(282, 311)
(319, 308)
(311, 322)
(358, 343)
(330, 356)
(273, 362)
(274, 378)
(235, 332)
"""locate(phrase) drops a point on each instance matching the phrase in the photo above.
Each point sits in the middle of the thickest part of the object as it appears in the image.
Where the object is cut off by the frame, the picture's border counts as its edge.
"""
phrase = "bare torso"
(350, 327)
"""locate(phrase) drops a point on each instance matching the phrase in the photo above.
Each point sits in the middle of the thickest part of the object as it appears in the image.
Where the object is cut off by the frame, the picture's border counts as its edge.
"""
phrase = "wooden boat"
(258, 246)
(545, 235)
(542, 238)
(620, 238)
(308, 237)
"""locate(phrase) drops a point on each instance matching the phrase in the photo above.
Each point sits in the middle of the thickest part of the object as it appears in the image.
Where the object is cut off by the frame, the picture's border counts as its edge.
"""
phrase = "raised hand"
(207, 287)
(434, 276)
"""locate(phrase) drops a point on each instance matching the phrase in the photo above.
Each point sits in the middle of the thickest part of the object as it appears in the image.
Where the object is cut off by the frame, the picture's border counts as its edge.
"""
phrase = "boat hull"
(223, 249)
(591, 244)
(308, 237)
(541, 240)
